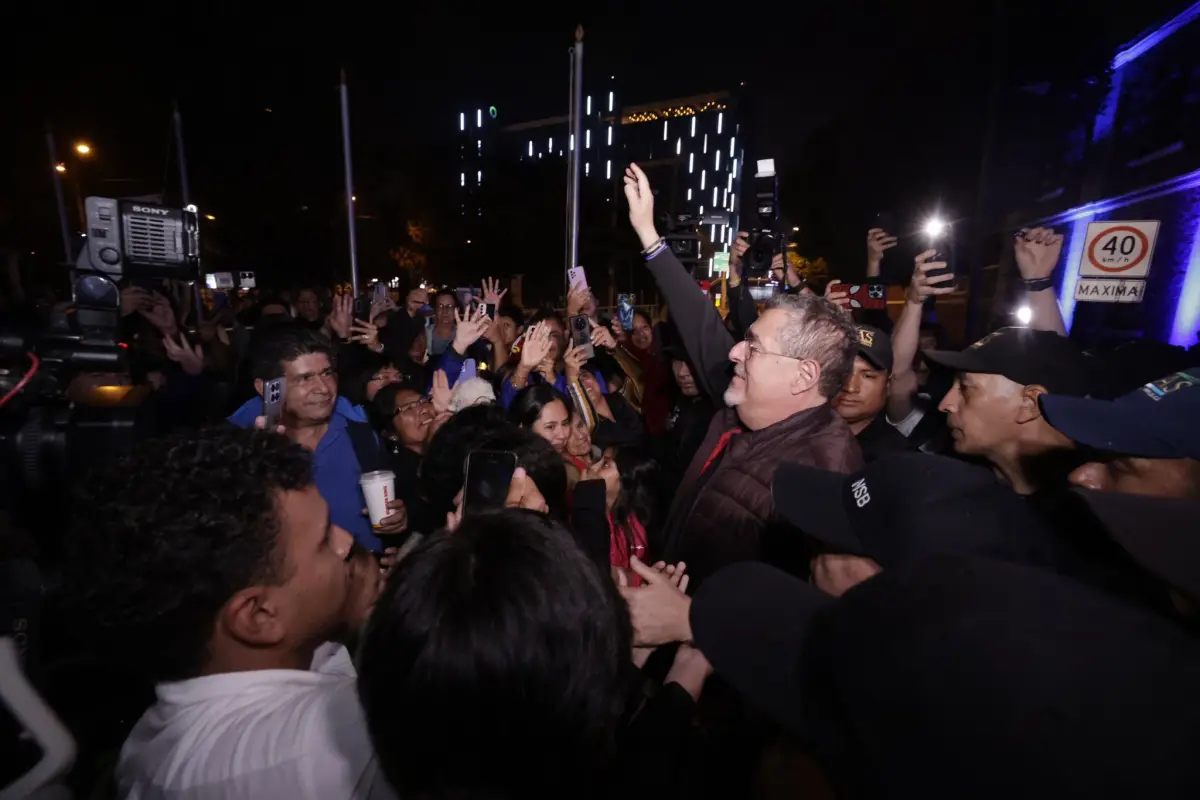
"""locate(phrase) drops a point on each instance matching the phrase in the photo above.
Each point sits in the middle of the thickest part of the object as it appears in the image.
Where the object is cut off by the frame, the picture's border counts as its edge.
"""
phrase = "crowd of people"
(792, 551)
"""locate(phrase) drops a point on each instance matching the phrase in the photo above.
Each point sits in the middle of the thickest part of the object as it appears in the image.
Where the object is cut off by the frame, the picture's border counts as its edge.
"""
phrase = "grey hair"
(821, 331)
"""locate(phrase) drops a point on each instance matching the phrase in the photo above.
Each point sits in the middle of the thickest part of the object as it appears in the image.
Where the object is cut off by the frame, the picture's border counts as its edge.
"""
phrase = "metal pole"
(568, 204)
(577, 150)
(186, 188)
(58, 194)
(349, 185)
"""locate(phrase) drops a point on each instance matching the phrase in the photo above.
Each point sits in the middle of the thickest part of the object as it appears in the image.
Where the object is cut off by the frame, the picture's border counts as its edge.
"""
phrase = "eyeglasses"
(754, 348)
(415, 405)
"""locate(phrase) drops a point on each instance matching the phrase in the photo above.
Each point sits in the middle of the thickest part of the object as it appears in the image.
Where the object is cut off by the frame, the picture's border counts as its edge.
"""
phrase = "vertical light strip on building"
(702, 179)
(724, 197)
(732, 140)
(587, 139)
(720, 121)
(1187, 307)
(693, 133)
(478, 118)
(715, 190)
(462, 179)
(712, 234)
(718, 166)
(1066, 297)
(531, 148)
(678, 146)
(589, 104)
(705, 150)
(571, 140)
(587, 168)
(729, 183)
(462, 121)
(608, 169)
(691, 162)
(733, 169)
(479, 177)
(664, 130)
(610, 134)
(610, 101)
(732, 197)
(689, 195)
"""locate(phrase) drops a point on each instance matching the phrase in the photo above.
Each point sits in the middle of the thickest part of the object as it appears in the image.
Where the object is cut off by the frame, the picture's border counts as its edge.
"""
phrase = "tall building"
(512, 176)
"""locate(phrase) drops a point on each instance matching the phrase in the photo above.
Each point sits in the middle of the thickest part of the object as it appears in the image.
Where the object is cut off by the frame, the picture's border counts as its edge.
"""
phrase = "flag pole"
(349, 184)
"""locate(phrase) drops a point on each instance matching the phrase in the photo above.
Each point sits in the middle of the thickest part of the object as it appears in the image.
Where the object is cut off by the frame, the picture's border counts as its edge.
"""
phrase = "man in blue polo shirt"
(318, 419)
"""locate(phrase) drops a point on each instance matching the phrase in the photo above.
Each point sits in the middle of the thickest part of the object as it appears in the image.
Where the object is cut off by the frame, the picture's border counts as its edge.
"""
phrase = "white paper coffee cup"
(379, 489)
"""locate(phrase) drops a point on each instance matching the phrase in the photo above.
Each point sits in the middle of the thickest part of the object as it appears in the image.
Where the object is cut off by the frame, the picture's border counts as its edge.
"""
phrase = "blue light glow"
(1187, 309)
(1149, 41)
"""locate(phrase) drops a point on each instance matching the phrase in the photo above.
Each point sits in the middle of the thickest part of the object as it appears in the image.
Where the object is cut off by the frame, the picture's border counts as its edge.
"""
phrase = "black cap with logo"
(1025, 356)
(875, 346)
(906, 506)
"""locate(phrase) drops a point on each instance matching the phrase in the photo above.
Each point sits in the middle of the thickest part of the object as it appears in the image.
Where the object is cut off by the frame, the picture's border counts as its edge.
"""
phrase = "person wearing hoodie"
(343, 446)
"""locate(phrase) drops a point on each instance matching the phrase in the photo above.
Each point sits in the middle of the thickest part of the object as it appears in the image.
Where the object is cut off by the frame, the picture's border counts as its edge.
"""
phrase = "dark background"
(864, 106)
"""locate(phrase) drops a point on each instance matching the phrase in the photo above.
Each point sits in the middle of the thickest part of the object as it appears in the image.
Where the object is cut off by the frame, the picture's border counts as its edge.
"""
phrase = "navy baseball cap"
(906, 506)
(962, 677)
(875, 346)
(1159, 420)
(1025, 356)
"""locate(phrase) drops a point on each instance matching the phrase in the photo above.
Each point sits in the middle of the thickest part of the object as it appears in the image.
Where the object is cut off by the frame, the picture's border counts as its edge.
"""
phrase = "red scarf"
(618, 545)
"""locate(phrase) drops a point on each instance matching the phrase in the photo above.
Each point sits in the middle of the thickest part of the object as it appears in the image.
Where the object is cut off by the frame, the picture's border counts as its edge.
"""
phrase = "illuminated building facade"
(690, 147)
(1117, 148)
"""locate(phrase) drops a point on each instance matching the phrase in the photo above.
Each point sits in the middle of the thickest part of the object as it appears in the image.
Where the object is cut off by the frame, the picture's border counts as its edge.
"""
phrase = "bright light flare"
(1024, 315)
(935, 228)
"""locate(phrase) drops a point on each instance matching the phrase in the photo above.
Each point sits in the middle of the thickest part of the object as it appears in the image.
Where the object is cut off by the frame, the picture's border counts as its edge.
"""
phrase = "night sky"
(908, 83)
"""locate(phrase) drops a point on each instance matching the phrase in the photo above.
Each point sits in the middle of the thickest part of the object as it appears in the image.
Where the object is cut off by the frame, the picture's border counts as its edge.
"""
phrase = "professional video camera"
(766, 240)
(45, 435)
(683, 237)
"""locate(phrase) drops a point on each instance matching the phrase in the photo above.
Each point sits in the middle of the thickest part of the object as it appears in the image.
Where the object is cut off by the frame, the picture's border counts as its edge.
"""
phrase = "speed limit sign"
(1118, 249)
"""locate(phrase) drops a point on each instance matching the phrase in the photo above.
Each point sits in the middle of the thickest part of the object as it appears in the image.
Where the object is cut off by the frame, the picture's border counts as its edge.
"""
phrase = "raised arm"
(701, 329)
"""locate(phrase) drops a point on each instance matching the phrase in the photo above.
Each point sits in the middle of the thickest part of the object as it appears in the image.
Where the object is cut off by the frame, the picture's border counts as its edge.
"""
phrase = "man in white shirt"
(211, 556)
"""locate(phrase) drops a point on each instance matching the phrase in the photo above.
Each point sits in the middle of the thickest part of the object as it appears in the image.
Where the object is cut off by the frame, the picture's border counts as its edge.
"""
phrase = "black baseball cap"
(875, 346)
(1159, 420)
(1159, 532)
(962, 677)
(1023, 355)
(906, 506)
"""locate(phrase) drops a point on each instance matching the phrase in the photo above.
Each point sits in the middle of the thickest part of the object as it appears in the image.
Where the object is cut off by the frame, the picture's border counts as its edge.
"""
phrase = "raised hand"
(381, 306)
(923, 284)
(573, 359)
(536, 346)
(469, 327)
(879, 241)
(578, 300)
(366, 334)
(158, 311)
(492, 294)
(440, 393)
(524, 493)
(835, 292)
(602, 337)
(641, 204)
(1037, 251)
(187, 356)
(342, 316)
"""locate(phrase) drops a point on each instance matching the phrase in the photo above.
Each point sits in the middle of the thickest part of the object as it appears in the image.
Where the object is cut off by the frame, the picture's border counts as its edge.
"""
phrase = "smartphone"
(868, 295)
(362, 308)
(946, 270)
(490, 308)
(625, 311)
(272, 396)
(577, 278)
(581, 334)
(380, 292)
(469, 370)
(488, 475)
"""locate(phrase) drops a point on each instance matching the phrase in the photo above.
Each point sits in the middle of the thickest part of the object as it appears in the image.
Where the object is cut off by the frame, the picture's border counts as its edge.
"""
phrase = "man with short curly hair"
(210, 561)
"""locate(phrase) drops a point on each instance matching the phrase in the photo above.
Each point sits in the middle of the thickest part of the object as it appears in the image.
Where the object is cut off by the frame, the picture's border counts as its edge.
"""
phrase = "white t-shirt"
(278, 733)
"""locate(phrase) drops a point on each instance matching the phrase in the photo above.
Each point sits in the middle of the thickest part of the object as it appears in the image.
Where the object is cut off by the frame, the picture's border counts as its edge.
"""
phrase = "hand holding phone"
(577, 278)
(581, 334)
(625, 311)
(273, 393)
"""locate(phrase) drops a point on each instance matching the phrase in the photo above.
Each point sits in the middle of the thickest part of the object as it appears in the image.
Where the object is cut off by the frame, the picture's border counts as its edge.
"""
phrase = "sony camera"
(46, 435)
